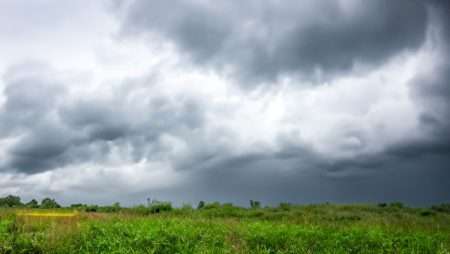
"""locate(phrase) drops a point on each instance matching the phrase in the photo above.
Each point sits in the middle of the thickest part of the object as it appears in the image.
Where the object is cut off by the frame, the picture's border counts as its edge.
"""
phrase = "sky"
(343, 101)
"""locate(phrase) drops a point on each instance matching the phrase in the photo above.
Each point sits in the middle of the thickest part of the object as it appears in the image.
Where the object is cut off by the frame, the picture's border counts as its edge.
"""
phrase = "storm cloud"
(301, 101)
(264, 41)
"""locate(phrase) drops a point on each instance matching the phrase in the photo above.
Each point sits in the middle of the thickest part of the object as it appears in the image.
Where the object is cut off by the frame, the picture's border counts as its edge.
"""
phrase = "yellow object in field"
(47, 214)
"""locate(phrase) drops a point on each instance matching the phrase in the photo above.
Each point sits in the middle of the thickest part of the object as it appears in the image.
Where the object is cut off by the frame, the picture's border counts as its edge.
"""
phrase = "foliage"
(10, 201)
(302, 229)
(398, 205)
(427, 213)
(255, 204)
(158, 207)
(224, 228)
(49, 203)
(285, 206)
(444, 208)
(32, 204)
(201, 204)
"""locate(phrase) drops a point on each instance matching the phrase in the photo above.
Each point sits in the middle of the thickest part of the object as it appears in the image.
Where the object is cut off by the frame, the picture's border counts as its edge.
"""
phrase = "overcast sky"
(186, 100)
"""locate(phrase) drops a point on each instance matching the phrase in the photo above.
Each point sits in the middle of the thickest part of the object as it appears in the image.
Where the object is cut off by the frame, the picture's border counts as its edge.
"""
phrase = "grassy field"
(228, 229)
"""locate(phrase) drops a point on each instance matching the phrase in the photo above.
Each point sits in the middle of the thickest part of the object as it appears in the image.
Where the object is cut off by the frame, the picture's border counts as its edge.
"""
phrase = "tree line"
(155, 206)
(15, 201)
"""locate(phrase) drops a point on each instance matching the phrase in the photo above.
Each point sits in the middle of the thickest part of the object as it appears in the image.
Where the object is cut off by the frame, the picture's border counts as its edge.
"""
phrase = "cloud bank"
(338, 101)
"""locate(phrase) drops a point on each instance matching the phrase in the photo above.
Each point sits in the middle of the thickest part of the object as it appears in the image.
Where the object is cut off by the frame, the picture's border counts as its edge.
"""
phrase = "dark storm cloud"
(263, 40)
(27, 115)
(42, 148)
(53, 130)
(431, 91)
(273, 179)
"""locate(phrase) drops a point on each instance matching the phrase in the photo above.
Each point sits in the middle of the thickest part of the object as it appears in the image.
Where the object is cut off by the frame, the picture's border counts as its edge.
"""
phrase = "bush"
(91, 208)
(223, 210)
(78, 206)
(285, 206)
(398, 205)
(214, 205)
(426, 213)
(110, 209)
(443, 208)
(157, 207)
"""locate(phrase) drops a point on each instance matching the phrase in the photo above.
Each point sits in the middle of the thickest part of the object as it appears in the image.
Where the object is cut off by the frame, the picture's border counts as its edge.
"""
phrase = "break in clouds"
(301, 101)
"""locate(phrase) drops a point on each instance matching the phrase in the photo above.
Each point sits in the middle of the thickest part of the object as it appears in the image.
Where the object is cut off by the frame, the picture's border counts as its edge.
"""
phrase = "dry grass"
(47, 214)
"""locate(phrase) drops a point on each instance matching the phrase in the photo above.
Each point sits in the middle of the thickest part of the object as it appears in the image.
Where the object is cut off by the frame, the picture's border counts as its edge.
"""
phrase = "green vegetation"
(15, 201)
(223, 228)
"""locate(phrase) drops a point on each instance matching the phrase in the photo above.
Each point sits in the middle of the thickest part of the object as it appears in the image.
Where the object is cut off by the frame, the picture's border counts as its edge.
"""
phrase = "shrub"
(443, 208)
(91, 208)
(78, 206)
(214, 205)
(426, 213)
(157, 207)
(397, 205)
(110, 209)
(255, 204)
(285, 206)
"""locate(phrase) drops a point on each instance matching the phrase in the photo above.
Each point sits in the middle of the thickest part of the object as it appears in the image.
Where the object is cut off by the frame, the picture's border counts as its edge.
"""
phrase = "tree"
(116, 205)
(48, 203)
(10, 201)
(32, 204)
(255, 204)
(77, 205)
(201, 204)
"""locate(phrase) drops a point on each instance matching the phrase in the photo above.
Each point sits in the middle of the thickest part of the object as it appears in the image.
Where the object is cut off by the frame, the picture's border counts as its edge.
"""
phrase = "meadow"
(224, 228)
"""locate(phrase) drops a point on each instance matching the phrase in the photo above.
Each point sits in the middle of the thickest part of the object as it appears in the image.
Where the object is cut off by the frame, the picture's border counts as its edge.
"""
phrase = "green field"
(228, 229)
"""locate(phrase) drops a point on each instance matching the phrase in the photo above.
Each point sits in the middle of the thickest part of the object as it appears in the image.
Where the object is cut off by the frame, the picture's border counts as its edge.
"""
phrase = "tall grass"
(229, 229)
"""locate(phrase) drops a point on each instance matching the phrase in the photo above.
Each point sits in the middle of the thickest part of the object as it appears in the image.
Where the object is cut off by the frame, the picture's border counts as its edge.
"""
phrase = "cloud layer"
(297, 101)
(265, 41)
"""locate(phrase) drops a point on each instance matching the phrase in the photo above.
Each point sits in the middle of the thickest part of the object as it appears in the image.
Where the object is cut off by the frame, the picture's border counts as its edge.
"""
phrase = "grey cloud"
(415, 172)
(53, 130)
(68, 132)
(431, 92)
(264, 40)
(41, 149)
(417, 181)
(98, 120)
(86, 131)
(29, 99)
(28, 114)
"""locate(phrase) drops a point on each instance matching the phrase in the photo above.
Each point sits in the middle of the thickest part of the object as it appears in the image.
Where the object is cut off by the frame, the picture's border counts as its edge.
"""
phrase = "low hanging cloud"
(299, 101)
